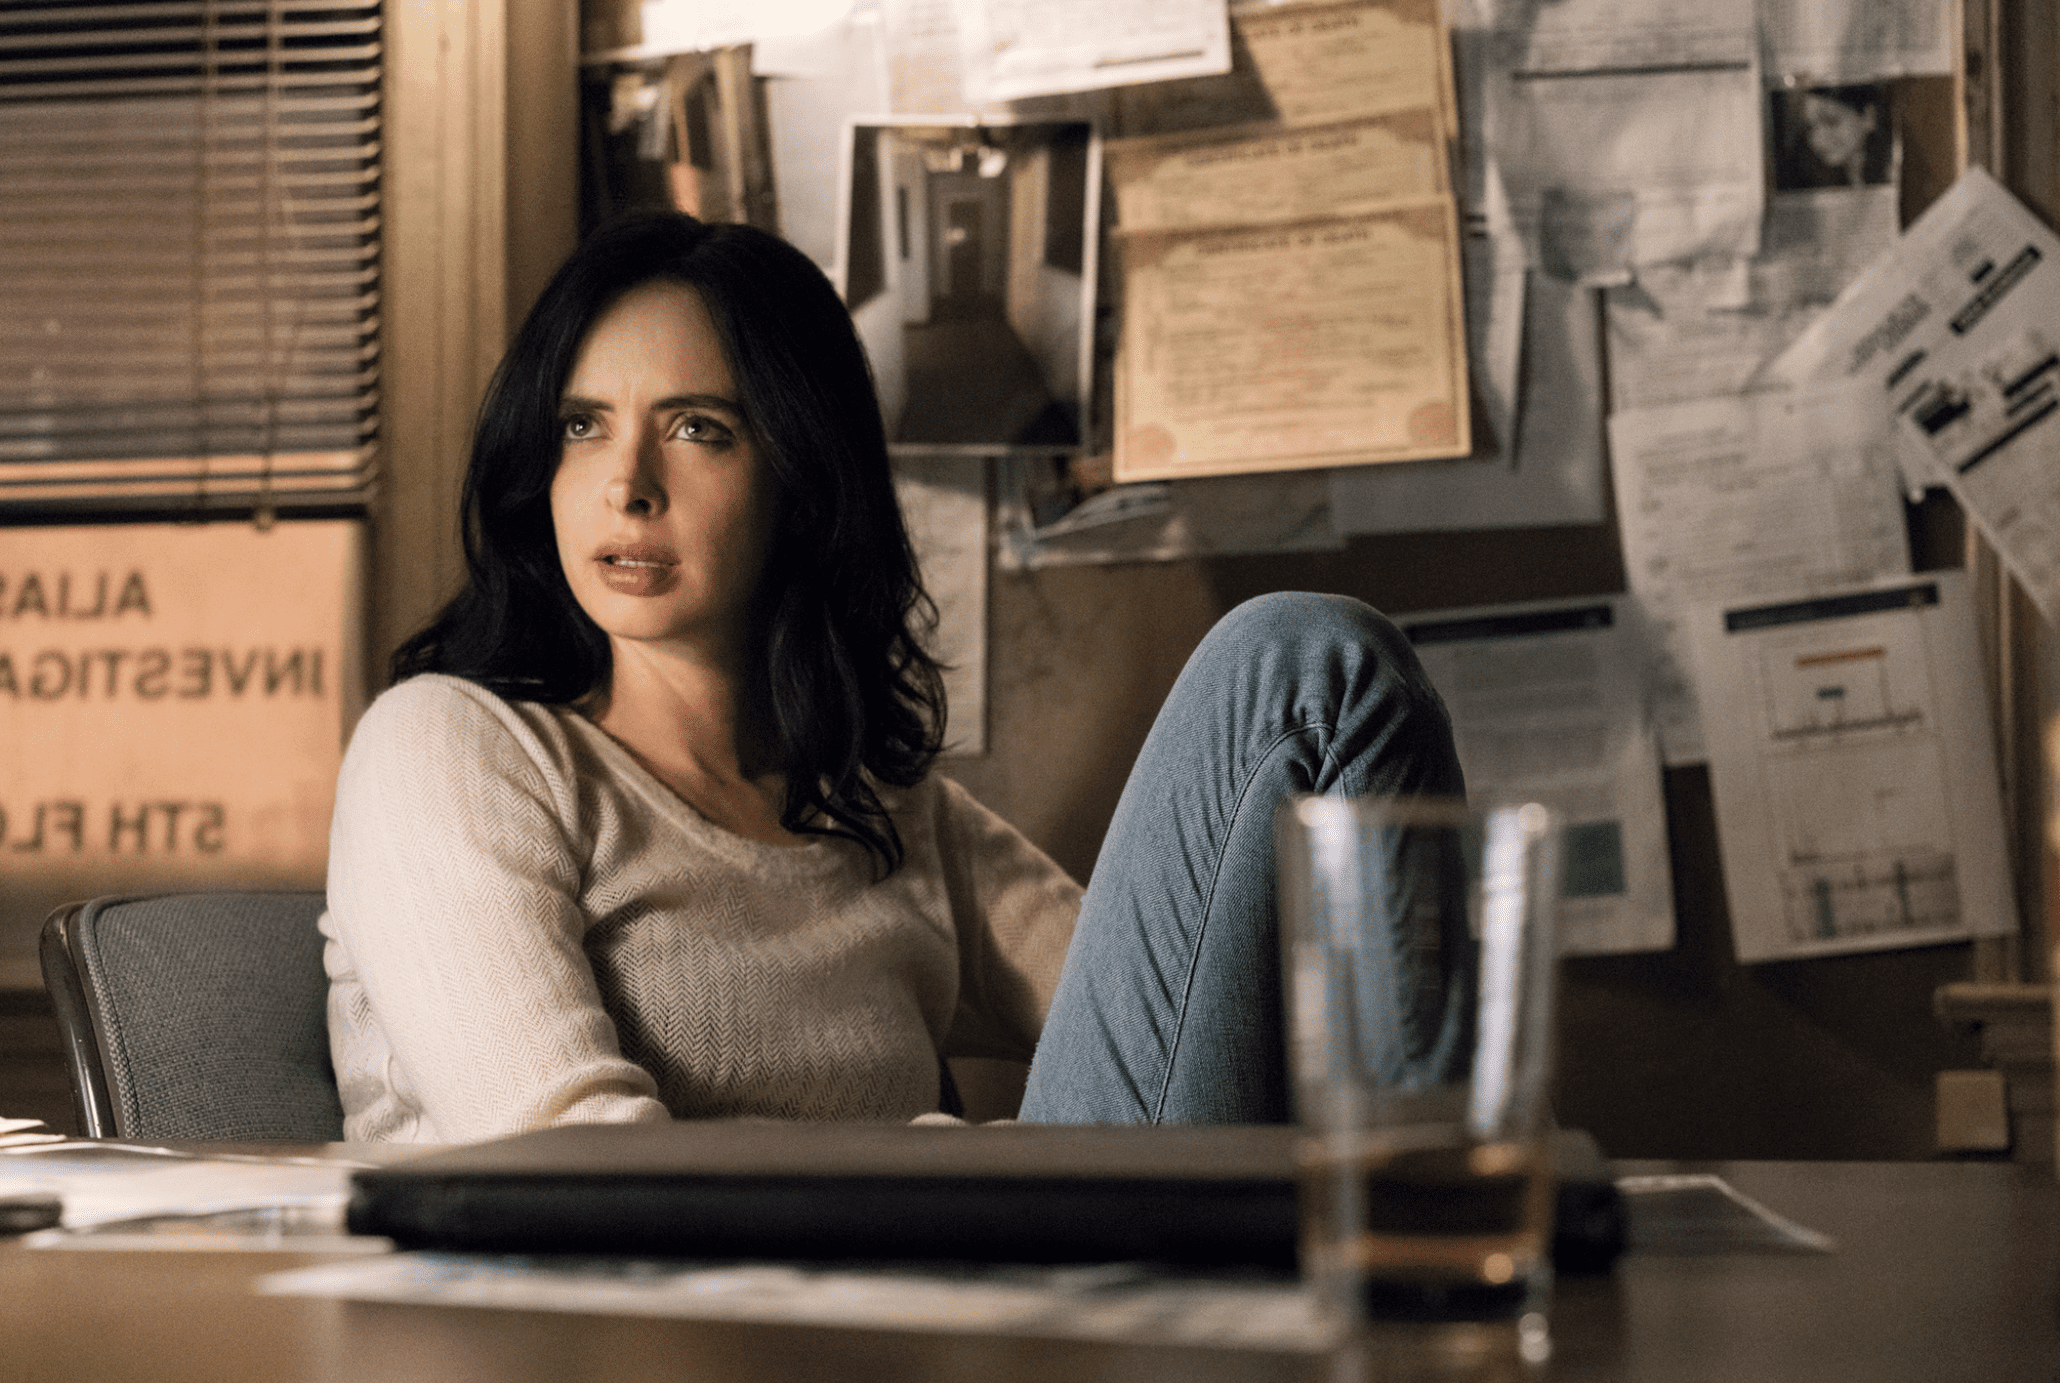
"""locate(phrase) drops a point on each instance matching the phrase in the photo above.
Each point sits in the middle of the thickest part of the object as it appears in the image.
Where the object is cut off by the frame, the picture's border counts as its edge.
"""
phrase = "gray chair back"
(195, 1016)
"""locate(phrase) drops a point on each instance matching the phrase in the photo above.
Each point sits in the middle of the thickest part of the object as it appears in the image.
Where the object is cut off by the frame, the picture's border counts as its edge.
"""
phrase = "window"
(189, 254)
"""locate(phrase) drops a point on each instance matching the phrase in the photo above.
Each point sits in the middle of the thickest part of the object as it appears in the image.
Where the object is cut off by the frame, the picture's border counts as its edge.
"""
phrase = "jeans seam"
(1194, 958)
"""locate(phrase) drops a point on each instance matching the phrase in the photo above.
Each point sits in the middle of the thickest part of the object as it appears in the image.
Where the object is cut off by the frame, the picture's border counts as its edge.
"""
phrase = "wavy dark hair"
(849, 696)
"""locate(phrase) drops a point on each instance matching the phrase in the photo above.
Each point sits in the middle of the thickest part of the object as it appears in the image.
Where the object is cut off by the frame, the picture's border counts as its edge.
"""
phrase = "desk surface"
(1944, 1272)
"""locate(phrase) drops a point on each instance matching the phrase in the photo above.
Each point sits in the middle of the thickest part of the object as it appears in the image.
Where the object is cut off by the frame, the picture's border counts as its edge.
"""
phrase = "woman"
(645, 828)
(1837, 136)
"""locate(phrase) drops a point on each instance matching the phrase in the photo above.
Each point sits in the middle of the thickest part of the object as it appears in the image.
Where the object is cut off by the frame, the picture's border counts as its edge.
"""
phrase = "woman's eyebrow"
(701, 401)
(589, 405)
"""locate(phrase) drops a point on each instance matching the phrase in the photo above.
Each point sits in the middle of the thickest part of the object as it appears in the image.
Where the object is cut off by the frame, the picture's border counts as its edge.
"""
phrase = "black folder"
(1022, 1193)
(1028, 1193)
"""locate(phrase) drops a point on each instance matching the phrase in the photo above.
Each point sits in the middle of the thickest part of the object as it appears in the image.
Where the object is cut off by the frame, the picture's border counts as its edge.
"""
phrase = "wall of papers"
(1571, 335)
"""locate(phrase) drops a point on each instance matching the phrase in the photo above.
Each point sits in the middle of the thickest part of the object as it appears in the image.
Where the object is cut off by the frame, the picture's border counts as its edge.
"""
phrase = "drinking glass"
(1419, 959)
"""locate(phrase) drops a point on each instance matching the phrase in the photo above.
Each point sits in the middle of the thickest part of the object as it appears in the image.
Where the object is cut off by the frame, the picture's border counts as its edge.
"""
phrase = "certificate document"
(1227, 179)
(1282, 347)
(1853, 770)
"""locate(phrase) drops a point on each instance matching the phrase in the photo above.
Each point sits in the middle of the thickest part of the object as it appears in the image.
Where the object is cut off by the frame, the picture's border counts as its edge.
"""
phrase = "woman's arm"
(461, 989)
(1015, 910)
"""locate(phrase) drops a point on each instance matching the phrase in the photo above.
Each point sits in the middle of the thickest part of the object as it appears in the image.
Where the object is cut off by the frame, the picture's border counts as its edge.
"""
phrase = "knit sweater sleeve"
(456, 932)
(1015, 909)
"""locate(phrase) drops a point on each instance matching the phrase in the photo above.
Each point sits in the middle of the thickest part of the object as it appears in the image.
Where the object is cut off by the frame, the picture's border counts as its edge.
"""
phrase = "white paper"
(1547, 703)
(1729, 499)
(1956, 333)
(1855, 40)
(1116, 1301)
(1669, 343)
(1853, 770)
(1606, 35)
(1495, 282)
(1160, 521)
(101, 1186)
(807, 117)
(1558, 474)
(944, 504)
(920, 58)
(1629, 135)
(687, 26)
(1011, 49)
(1700, 1212)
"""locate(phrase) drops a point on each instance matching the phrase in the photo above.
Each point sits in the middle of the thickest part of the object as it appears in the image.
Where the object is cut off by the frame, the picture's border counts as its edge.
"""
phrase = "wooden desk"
(1944, 1272)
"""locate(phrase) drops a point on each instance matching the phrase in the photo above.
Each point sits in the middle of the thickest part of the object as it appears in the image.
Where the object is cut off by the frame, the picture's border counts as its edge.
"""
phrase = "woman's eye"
(578, 427)
(699, 427)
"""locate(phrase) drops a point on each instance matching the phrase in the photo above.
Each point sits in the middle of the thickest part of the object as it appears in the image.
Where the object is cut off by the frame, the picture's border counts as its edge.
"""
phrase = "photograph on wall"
(1832, 136)
(967, 257)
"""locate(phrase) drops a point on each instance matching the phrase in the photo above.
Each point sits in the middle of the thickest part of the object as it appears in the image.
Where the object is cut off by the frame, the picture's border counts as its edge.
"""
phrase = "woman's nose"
(636, 487)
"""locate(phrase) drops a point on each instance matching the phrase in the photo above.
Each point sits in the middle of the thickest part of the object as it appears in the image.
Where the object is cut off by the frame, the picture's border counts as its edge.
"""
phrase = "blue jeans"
(1169, 1005)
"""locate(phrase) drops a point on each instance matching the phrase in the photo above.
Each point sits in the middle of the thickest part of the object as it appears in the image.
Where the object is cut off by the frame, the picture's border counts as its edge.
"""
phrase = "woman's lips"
(637, 570)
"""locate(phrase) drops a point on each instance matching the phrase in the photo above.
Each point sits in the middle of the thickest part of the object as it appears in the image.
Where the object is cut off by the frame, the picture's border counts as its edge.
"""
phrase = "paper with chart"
(1853, 770)
(1957, 330)
(1547, 703)
(1735, 498)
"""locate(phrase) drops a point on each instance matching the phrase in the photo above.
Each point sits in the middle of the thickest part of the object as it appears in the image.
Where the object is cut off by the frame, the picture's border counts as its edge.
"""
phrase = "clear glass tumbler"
(1420, 959)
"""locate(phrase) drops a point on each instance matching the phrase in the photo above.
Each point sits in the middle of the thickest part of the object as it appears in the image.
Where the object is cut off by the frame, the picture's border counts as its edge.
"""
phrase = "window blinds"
(189, 257)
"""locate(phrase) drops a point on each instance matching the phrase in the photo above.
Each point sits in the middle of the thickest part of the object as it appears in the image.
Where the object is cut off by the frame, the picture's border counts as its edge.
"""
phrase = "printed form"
(1629, 134)
(1547, 705)
(1738, 497)
(1853, 770)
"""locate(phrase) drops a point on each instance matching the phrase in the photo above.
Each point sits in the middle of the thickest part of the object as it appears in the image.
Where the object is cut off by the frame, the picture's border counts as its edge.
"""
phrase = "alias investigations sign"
(173, 704)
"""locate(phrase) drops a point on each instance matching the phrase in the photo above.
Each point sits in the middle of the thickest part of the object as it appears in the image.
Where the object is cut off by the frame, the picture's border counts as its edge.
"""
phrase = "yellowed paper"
(1323, 63)
(1332, 342)
(1304, 64)
(1187, 181)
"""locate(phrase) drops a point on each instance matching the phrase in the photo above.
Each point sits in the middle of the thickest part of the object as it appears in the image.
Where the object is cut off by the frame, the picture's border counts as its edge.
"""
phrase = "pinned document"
(1853, 770)
(1957, 331)
(1547, 703)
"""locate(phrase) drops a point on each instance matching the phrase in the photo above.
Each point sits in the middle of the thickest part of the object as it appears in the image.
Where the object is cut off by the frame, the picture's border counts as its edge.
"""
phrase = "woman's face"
(1836, 132)
(658, 502)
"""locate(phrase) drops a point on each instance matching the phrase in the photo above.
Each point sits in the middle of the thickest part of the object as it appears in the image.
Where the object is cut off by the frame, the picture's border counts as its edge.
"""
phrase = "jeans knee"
(1330, 647)
(1309, 621)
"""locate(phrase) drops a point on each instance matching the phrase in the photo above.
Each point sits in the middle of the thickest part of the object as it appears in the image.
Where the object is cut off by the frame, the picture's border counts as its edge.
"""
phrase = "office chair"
(195, 1016)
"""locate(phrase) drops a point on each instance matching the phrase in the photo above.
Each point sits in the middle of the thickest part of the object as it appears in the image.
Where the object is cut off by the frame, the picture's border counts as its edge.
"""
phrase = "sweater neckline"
(813, 857)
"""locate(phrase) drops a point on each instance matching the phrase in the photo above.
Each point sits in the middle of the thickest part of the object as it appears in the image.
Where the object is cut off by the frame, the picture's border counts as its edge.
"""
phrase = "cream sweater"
(525, 928)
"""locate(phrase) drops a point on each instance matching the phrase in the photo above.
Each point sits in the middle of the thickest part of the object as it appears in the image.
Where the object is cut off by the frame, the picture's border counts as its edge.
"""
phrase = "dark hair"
(849, 694)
